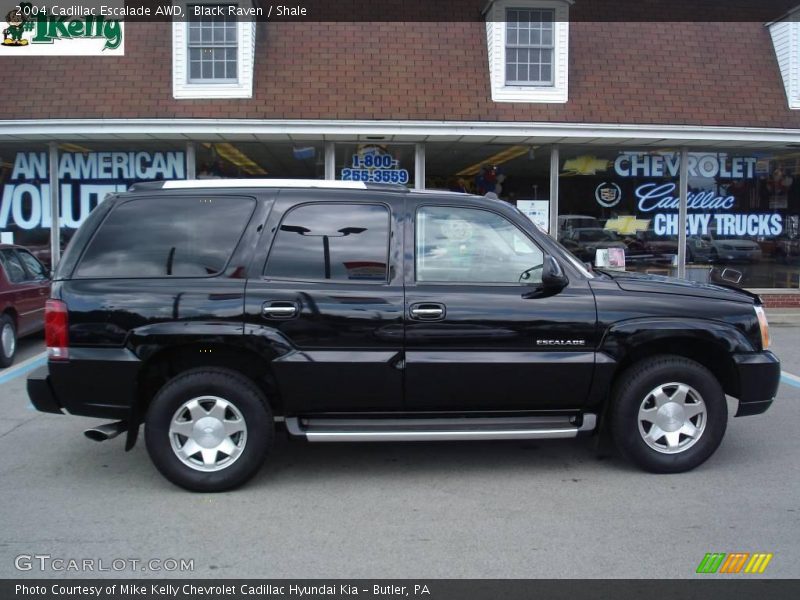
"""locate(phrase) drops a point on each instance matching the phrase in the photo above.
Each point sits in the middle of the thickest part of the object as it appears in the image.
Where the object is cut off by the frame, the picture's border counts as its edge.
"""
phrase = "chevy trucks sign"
(712, 207)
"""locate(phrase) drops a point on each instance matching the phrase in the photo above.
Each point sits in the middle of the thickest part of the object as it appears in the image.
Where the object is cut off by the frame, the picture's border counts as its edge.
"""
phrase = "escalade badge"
(560, 342)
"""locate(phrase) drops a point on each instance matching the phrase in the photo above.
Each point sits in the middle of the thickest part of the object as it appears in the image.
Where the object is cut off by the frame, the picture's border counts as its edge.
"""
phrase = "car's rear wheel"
(8, 341)
(669, 414)
(209, 430)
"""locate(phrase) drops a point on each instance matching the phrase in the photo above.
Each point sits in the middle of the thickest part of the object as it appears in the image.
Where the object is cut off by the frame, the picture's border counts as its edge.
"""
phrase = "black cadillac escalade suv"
(209, 311)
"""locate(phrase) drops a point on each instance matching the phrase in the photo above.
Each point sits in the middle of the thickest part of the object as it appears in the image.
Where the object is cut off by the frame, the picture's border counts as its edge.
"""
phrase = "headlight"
(763, 325)
(726, 246)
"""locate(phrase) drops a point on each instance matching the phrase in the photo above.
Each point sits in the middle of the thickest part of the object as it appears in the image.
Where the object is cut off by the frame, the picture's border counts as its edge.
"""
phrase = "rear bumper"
(759, 376)
(93, 383)
(41, 393)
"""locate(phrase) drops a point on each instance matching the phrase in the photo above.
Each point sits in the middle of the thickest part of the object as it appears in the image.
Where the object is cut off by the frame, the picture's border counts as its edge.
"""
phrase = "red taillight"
(56, 325)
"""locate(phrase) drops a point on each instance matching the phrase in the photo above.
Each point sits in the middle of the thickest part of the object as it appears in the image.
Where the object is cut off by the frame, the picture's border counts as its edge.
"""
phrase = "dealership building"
(678, 141)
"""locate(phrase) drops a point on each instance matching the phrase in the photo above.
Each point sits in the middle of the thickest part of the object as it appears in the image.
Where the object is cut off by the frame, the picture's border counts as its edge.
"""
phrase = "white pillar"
(55, 227)
(191, 161)
(419, 166)
(330, 160)
(683, 185)
(554, 164)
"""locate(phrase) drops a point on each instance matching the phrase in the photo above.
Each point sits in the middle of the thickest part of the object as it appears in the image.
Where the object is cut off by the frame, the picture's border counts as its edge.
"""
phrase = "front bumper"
(759, 377)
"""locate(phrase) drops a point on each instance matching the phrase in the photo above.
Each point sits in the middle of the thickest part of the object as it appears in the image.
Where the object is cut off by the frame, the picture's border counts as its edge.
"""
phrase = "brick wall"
(781, 300)
(631, 72)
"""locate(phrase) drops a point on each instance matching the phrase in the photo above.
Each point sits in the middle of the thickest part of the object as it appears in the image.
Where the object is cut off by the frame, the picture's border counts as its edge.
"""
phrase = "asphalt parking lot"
(480, 510)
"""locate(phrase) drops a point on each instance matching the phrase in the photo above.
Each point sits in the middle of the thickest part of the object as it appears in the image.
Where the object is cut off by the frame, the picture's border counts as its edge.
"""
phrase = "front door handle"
(427, 311)
(279, 310)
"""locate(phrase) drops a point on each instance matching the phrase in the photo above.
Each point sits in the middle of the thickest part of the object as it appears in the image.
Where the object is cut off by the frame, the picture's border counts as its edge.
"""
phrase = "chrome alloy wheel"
(8, 340)
(207, 433)
(672, 418)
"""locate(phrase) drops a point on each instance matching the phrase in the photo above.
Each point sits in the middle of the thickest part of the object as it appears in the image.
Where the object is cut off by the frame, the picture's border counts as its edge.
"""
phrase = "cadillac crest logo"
(608, 194)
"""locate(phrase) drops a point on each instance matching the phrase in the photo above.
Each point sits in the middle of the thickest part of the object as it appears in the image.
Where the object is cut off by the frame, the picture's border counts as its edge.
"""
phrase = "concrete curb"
(783, 317)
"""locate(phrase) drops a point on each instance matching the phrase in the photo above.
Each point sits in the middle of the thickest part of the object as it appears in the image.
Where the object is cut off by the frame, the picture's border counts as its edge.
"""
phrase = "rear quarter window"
(167, 237)
(15, 272)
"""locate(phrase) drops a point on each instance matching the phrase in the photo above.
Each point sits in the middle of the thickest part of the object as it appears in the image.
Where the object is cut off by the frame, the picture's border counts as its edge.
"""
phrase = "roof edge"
(211, 129)
(784, 16)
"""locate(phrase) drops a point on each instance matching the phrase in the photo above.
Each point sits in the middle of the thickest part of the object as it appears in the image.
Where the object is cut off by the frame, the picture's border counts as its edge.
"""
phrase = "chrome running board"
(439, 429)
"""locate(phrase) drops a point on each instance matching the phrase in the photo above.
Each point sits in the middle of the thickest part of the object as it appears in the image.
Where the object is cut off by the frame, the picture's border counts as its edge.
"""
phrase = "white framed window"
(212, 53)
(213, 46)
(528, 49)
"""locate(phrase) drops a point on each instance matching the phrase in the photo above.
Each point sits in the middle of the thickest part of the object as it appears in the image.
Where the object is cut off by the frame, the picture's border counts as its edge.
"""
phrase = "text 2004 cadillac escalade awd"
(209, 311)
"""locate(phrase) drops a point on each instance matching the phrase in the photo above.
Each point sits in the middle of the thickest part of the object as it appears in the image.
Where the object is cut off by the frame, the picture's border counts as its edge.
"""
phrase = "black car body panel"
(355, 346)
(347, 334)
(495, 349)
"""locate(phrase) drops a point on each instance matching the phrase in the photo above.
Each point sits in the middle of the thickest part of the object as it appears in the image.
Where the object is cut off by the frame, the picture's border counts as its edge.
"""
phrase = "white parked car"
(733, 250)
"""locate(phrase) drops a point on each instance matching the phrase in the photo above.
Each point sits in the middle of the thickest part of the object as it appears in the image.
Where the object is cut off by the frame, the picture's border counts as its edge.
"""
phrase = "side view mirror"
(553, 277)
(553, 280)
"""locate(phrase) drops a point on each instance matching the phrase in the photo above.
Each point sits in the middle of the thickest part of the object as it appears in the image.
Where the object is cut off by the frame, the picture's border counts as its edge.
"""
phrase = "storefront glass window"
(518, 174)
(87, 173)
(622, 202)
(375, 162)
(281, 160)
(743, 211)
(745, 206)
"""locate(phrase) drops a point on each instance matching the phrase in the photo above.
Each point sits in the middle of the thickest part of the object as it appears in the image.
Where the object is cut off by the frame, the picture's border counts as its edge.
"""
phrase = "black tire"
(234, 388)
(7, 358)
(632, 390)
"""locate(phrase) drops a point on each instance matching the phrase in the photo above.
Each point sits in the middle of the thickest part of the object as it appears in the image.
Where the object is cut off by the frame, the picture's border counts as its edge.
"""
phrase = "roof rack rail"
(185, 184)
(146, 185)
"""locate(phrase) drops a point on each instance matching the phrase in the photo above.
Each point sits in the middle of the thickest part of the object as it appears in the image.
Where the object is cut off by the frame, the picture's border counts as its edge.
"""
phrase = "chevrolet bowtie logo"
(584, 165)
(627, 225)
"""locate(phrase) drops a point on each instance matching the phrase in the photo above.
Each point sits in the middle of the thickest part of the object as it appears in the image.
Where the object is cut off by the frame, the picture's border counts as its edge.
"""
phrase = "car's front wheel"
(209, 430)
(8, 341)
(669, 414)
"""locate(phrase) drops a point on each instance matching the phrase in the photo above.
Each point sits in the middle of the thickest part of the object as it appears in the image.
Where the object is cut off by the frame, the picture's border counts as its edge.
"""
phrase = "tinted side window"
(344, 242)
(167, 237)
(35, 268)
(468, 245)
(14, 269)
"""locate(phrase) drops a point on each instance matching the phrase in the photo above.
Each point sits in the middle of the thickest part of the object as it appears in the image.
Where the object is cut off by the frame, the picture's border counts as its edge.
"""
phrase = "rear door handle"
(279, 310)
(427, 311)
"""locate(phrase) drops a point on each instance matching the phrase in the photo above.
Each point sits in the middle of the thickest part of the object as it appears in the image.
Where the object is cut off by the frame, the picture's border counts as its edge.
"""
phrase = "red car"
(24, 289)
